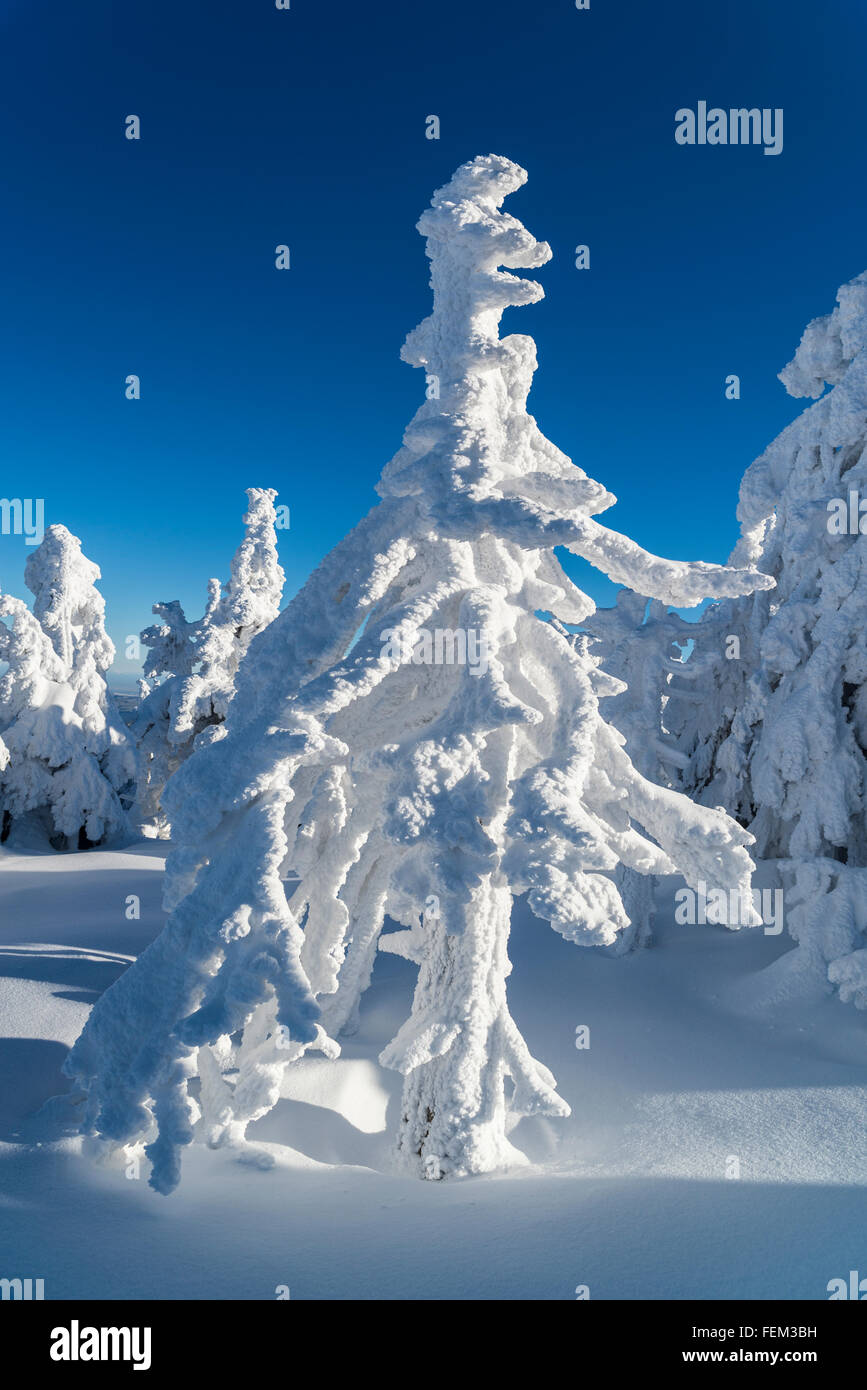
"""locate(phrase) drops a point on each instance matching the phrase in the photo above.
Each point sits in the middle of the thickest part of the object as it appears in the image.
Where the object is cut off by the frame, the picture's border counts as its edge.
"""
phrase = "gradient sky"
(307, 127)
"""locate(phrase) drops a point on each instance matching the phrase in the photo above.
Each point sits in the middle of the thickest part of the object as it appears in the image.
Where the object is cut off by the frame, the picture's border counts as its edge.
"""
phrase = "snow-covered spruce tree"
(781, 735)
(171, 657)
(189, 674)
(171, 647)
(676, 712)
(635, 643)
(66, 760)
(713, 703)
(395, 785)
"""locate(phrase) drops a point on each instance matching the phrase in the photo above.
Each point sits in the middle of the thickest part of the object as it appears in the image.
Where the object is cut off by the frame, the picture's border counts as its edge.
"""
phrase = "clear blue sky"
(307, 127)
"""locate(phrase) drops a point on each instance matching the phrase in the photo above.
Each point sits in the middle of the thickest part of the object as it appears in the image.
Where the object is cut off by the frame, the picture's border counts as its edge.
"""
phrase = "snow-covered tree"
(781, 735)
(66, 760)
(714, 702)
(189, 674)
(635, 643)
(640, 643)
(418, 746)
(171, 647)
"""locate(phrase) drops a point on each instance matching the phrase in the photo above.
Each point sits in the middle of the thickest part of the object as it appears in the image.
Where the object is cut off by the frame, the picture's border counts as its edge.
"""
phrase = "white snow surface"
(690, 1063)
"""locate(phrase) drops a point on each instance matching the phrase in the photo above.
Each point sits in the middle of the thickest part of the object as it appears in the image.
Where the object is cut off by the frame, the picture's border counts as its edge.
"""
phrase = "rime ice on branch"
(388, 785)
(66, 760)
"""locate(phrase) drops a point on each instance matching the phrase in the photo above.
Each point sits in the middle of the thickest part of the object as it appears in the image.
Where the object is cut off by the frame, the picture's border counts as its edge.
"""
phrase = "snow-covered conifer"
(416, 745)
(171, 647)
(171, 656)
(189, 674)
(781, 735)
(636, 642)
(714, 702)
(67, 760)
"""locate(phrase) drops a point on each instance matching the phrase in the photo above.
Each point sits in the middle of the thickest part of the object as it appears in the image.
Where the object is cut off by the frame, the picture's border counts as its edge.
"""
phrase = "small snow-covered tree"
(781, 736)
(189, 674)
(635, 643)
(417, 745)
(714, 703)
(171, 657)
(171, 647)
(66, 759)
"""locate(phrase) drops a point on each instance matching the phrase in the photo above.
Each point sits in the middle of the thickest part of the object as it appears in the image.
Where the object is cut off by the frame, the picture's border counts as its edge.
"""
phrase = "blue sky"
(307, 127)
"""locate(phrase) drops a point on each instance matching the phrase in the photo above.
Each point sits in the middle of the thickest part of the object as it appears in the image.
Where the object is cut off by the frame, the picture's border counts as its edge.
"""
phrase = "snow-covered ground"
(685, 1070)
